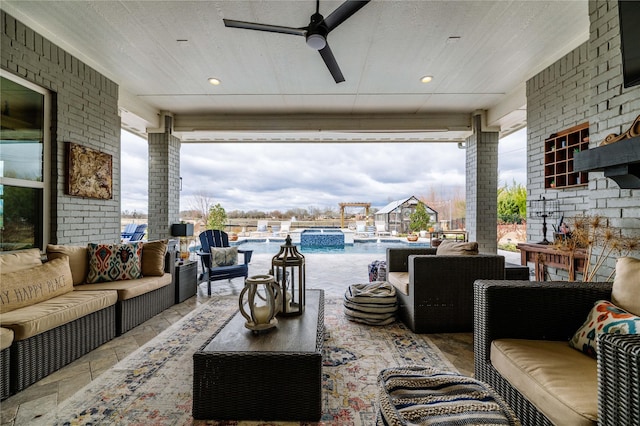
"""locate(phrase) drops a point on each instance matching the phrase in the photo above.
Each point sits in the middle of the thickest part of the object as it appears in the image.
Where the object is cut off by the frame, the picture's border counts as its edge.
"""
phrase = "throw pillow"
(39, 283)
(626, 285)
(20, 260)
(78, 260)
(114, 262)
(153, 254)
(604, 317)
(448, 247)
(224, 256)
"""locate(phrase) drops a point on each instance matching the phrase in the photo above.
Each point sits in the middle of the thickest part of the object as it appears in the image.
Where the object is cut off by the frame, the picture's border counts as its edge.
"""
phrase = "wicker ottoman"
(422, 395)
(373, 303)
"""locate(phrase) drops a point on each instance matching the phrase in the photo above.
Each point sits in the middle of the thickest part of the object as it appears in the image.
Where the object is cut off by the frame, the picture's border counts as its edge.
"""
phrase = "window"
(24, 165)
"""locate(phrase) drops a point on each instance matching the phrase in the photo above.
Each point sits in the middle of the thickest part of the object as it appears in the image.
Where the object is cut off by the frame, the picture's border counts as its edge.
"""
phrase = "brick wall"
(84, 111)
(481, 184)
(585, 85)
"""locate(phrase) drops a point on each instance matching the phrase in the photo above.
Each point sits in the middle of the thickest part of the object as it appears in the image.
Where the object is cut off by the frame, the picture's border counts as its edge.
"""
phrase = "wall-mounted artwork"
(89, 172)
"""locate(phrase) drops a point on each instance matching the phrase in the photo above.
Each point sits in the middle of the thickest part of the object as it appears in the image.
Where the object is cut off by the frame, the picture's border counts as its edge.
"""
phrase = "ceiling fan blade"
(264, 27)
(343, 12)
(330, 60)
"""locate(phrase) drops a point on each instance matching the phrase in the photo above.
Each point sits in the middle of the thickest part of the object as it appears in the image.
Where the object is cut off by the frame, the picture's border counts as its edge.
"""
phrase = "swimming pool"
(373, 247)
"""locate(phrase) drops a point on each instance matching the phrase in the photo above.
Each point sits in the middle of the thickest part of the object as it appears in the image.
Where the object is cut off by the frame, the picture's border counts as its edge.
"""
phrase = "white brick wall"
(85, 111)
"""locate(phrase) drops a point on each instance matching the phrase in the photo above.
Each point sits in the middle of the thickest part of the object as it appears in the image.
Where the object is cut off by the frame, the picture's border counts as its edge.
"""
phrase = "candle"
(261, 314)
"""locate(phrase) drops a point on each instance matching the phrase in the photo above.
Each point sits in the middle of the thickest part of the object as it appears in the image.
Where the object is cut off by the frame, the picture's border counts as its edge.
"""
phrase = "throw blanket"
(373, 303)
(426, 396)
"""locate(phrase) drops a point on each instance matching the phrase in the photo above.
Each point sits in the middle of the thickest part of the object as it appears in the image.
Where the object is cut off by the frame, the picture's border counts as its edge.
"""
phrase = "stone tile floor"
(331, 272)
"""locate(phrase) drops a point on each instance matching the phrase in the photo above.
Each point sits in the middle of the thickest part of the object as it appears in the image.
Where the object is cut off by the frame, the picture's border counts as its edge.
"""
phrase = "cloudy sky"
(269, 177)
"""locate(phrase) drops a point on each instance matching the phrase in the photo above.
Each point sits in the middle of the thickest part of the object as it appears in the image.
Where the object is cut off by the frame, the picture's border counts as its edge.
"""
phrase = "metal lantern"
(262, 302)
(289, 271)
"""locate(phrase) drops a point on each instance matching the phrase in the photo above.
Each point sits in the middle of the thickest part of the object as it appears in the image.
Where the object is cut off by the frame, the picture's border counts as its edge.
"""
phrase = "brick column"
(482, 187)
(164, 182)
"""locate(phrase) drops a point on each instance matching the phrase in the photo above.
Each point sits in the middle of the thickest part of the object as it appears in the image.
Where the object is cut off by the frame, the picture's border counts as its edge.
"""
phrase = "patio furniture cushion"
(372, 303)
(604, 317)
(6, 338)
(626, 285)
(224, 256)
(559, 381)
(38, 284)
(114, 262)
(49, 314)
(25, 259)
(153, 258)
(128, 289)
(448, 247)
(400, 280)
(415, 395)
(78, 259)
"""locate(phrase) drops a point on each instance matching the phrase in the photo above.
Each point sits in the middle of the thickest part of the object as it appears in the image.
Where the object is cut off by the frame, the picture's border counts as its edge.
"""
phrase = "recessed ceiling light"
(426, 79)
(214, 81)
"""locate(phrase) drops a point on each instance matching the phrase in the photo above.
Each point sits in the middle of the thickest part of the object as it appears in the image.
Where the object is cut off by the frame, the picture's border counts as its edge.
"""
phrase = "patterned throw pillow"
(604, 317)
(114, 262)
(224, 256)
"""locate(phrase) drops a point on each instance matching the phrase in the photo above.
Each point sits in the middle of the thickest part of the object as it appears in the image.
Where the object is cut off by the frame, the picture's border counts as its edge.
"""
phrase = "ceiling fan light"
(316, 41)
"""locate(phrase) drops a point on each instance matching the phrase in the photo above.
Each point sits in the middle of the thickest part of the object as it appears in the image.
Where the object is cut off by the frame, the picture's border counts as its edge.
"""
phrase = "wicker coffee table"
(276, 375)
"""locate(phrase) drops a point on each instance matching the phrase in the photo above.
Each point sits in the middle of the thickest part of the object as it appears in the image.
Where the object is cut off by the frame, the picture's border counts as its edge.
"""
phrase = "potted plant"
(412, 237)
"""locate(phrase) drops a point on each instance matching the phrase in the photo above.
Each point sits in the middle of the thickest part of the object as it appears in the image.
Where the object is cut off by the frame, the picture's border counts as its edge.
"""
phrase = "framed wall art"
(89, 172)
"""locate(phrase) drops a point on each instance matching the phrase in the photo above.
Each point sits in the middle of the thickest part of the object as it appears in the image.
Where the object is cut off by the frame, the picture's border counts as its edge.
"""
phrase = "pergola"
(366, 206)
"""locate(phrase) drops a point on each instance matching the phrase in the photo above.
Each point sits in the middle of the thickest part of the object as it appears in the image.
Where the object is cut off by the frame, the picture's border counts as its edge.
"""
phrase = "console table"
(543, 255)
(276, 375)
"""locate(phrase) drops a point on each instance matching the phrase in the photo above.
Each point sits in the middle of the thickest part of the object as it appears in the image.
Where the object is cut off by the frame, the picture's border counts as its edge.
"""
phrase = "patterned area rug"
(153, 386)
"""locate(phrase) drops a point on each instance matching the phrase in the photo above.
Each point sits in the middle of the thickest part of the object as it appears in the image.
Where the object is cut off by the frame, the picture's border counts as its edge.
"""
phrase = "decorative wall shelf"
(559, 152)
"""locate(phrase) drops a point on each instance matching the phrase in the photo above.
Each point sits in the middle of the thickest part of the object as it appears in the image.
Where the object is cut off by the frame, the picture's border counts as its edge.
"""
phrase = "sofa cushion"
(39, 283)
(604, 317)
(224, 256)
(562, 383)
(128, 289)
(448, 247)
(153, 254)
(20, 260)
(626, 285)
(114, 262)
(31, 320)
(400, 280)
(6, 338)
(78, 259)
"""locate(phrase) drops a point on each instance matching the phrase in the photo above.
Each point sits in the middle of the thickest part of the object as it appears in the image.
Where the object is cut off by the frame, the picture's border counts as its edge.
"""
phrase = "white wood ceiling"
(161, 53)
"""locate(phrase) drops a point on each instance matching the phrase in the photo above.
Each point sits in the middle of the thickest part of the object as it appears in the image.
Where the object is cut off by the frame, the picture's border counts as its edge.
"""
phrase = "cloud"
(267, 177)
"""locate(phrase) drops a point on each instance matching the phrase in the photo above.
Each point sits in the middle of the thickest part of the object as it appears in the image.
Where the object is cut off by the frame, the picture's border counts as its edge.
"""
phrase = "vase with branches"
(600, 242)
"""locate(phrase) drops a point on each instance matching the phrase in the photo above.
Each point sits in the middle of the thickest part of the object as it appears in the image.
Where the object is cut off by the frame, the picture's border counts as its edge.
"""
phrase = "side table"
(186, 280)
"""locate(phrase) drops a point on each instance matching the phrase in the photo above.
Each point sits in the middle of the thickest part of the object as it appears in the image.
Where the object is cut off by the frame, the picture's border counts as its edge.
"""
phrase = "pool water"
(355, 248)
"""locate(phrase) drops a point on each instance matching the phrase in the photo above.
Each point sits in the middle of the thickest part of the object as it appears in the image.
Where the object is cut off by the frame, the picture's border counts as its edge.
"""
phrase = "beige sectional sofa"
(50, 316)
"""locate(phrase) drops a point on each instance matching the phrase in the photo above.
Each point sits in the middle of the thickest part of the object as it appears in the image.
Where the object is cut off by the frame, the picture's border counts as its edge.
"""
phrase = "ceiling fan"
(315, 33)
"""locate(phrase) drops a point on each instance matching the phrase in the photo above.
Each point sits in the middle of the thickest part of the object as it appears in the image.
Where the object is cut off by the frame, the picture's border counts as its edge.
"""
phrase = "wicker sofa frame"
(5, 359)
(130, 313)
(440, 295)
(38, 356)
(554, 311)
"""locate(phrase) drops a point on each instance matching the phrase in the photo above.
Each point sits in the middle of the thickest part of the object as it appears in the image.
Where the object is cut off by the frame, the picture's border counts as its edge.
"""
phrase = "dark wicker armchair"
(440, 293)
(554, 311)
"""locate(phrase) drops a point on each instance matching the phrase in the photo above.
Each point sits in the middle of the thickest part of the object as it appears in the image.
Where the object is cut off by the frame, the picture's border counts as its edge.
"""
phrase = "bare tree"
(201, 202)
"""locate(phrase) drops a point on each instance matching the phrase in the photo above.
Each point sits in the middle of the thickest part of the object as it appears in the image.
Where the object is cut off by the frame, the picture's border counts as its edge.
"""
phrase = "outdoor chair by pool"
(139, 233)
(381, 228)
(128, 231)
(262, 229)
(285, 228)
(221, 264)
